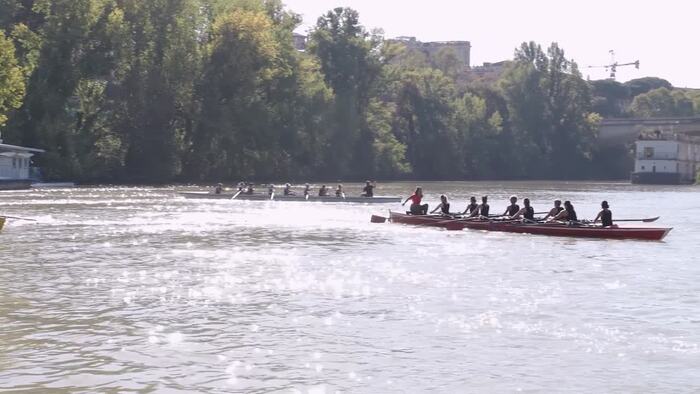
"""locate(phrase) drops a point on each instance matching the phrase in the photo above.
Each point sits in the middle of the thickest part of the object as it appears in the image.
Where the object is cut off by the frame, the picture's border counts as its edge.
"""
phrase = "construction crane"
(612, 67)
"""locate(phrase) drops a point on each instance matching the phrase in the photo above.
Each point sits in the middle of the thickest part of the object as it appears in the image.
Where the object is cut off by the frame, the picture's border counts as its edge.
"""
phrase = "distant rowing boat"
(554, 229)
(265, 197)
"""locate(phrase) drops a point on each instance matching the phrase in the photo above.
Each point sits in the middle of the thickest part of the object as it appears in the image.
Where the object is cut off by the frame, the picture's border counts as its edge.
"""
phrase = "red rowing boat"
(555, 229)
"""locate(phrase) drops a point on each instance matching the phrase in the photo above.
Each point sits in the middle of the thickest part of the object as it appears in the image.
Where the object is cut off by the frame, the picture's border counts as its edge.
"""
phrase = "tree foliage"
(11, 79)
(663, 102)
(209, 90)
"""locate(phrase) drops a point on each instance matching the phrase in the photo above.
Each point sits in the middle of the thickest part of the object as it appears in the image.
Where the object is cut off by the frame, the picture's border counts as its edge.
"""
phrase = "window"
(648, 152)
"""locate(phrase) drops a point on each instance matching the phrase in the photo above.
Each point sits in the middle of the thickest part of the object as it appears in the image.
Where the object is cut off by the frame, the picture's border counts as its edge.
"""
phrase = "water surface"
(137, 289)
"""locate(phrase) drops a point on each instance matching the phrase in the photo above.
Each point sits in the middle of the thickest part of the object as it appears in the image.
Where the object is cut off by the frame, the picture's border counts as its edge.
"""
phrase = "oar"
(236, 195)
(378, 219)
(16, 218)
(272, 196)
(647, 220)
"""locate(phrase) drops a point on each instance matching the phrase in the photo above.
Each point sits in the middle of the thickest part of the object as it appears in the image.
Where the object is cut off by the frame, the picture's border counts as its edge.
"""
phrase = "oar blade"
(378, 219)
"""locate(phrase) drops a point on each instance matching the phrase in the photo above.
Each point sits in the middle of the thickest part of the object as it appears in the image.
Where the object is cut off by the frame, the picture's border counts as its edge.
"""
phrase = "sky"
(662, 35)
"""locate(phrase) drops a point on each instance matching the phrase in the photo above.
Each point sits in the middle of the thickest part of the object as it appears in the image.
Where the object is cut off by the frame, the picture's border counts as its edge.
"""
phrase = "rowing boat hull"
(262, 197)
(560, 230)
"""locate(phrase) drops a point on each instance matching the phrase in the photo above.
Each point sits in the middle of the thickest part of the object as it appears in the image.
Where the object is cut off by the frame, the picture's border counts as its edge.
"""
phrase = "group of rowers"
(567, 213)
(324, 191)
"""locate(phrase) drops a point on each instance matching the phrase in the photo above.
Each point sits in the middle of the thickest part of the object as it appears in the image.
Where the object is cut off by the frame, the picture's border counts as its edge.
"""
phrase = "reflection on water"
(137, 289)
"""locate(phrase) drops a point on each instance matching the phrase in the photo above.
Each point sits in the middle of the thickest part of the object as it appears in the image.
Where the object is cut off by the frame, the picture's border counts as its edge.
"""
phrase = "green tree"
(643, 85)
(12, 87)
(350, 62)
(549, 105)
(662, 102)
(610, 98)
(233, 136)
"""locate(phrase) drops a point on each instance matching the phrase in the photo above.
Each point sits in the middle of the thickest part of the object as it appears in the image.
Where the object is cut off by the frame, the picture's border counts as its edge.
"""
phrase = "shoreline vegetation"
(214, 91)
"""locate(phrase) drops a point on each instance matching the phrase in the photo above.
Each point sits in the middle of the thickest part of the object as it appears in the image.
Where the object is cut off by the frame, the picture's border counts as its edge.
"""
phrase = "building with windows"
(15, 163)
(460, 49)
(666, 158)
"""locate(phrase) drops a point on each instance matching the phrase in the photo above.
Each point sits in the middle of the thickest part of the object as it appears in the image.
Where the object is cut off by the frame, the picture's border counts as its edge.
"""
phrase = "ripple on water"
(118, 289)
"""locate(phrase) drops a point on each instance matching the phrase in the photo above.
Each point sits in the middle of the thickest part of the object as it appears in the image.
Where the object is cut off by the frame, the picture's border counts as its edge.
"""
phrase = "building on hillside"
(300, 41)
(488, 73)
(461, 49)
(666, 158)
(15, 162)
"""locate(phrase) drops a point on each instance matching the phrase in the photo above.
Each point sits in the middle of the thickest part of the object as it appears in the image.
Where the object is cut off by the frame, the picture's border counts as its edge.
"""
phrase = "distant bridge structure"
(614, 131)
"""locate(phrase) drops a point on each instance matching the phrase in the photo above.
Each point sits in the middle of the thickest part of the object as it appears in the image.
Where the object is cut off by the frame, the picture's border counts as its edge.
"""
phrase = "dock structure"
(15, 163)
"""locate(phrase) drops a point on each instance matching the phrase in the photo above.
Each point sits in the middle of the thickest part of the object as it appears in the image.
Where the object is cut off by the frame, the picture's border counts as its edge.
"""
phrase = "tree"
(662, 102)
(350, 62)
(643, 85)
(12, 87)
(234, 137)
(610, 98)
(425, 124)
(549, 106)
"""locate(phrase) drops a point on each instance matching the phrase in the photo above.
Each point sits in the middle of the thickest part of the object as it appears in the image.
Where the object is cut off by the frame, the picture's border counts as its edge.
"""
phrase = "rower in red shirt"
(416, 207)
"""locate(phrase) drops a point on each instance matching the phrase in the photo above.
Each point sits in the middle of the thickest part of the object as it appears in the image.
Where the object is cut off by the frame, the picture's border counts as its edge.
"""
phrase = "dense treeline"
(162, 90)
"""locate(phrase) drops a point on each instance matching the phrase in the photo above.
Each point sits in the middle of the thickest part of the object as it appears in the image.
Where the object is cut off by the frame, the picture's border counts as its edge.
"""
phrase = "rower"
(416, 207)
(288, 190)
(219, 188)
(270, 190)
(513, 208)
(484, 207)
(339, 191)
(250, 189)
(444, 206)
(568, 214)
(323, 191)
(554, 211)
(241, 186)
(528, 212)
(307, 190)
(369, 189)
(605, 216)
(472, 208)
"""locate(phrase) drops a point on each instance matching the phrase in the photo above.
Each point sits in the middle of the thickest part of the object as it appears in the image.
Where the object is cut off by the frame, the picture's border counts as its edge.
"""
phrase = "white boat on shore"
(281, 197)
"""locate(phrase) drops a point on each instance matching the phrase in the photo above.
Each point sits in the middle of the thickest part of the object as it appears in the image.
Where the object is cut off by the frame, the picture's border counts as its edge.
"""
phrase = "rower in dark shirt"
(484, 207)
(568, 214)
(554, 211)
(250, 189)
(528, 212)
(339, 191)
(369, 189)
(219, 188)
(513, 208)
(444, 206)
(288, 190)
(472, 208)
(323, 191)
(605, 216)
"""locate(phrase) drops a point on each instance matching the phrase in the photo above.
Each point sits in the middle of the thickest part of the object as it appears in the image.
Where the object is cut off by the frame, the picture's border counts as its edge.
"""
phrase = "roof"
(15, 148)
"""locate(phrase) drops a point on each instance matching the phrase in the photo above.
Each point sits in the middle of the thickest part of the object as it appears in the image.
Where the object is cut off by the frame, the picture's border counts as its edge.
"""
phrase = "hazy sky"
(662, 35)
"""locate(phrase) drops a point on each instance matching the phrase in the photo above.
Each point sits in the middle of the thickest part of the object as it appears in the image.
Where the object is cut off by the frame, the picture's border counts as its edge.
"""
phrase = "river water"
(137, 289)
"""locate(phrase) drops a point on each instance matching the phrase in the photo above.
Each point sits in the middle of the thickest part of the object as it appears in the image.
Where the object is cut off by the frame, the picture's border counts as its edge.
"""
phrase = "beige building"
(666, 158)
(461, 49)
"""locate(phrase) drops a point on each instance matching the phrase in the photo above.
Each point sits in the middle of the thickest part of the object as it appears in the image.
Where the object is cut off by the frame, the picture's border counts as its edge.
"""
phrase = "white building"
(666, 159)
(14, 165)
